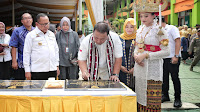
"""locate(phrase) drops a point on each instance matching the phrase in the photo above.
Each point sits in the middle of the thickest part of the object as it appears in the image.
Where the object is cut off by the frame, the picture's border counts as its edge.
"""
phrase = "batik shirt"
(17, 40)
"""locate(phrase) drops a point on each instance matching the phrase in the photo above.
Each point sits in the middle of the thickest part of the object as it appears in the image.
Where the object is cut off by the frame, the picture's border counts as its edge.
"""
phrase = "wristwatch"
(177, 56)
(115, 75)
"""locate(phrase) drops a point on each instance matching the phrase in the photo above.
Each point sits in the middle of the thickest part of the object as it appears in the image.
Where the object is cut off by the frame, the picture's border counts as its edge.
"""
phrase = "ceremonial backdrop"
(95, 8)
(68, 104)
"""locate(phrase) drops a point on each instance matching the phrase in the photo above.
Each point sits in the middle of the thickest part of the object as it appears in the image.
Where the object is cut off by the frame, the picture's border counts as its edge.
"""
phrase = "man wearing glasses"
(17, 44)
(41, 57)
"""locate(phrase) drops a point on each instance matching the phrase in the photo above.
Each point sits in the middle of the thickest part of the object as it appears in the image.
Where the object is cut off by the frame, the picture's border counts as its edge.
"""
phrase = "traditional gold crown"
(149, 5)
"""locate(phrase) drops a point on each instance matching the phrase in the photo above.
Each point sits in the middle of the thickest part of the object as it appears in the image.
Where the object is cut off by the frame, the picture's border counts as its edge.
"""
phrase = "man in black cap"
(197, 26)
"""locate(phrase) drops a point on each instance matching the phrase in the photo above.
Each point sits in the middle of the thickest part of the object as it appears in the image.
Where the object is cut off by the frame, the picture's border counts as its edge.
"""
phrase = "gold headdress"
(180, 28)
(149, 5)
(194, 31)
(185, 26)
(189, 30)
(184, 33)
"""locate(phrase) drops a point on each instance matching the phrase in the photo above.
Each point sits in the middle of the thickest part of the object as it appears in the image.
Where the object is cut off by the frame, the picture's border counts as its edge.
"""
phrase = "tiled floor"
(190, 86)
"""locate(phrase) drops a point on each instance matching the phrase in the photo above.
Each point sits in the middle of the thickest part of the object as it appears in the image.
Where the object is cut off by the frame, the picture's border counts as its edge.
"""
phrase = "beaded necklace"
(140, 42)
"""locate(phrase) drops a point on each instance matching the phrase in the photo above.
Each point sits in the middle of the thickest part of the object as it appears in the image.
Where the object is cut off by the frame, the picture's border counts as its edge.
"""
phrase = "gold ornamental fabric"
(68, 104)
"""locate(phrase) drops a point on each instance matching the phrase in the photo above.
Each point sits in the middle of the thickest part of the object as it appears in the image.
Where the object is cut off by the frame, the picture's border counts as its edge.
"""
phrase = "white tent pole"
(105, 9)
(135, 17)
(75, 16)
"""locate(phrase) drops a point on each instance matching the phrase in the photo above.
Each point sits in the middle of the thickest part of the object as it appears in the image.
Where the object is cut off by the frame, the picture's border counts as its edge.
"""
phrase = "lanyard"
(67, 39)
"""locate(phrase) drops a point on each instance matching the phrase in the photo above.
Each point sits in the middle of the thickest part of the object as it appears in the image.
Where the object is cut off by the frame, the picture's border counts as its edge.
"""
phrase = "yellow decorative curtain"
(95, 8)
(68, 104)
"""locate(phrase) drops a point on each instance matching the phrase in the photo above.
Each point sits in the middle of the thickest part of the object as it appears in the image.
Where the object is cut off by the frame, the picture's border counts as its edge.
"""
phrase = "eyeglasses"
(45, 24)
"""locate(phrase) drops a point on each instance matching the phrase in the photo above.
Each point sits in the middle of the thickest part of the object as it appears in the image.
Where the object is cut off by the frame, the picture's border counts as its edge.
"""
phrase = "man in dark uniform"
(195, 46)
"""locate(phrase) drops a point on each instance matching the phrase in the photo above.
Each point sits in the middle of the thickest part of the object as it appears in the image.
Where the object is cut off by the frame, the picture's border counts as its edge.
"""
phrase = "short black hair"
(102, 27)
(52, 28)
(162, 19)
(57, 25)
(40, 15)
(198, 30)
(80, 32)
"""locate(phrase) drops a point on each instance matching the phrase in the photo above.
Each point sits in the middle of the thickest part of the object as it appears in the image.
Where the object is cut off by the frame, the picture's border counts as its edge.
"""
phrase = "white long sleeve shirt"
(41, 53)
(7, 56)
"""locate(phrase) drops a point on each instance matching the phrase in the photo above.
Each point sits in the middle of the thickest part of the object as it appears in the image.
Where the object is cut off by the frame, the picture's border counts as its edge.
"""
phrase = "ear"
(36, 23)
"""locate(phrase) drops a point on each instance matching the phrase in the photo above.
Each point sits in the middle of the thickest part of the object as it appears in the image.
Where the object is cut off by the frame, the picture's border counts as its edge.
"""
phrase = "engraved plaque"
(101, 85)
(22, 85)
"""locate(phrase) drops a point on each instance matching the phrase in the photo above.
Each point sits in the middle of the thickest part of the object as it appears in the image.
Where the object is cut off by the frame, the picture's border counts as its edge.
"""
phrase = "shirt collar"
(38, 31)
(26, 29)
(166, 26)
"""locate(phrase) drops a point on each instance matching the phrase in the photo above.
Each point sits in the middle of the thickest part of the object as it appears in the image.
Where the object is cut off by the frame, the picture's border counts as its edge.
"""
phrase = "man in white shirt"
(100, 54)
(81, 36)
(171, 65)
(41, 53)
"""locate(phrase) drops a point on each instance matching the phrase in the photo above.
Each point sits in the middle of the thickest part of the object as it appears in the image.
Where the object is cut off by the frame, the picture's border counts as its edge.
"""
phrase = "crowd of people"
(190, 48)
(140, 58)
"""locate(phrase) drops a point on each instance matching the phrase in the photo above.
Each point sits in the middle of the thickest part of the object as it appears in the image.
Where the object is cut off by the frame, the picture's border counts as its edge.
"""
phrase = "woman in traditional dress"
(68, 43)
(128, 42)
(5, 55)
(151, 47)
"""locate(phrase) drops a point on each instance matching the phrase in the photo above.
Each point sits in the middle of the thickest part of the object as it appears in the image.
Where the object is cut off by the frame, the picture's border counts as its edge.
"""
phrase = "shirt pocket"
(71, 40)
(52, 41)
(38, 43)
(52, 44)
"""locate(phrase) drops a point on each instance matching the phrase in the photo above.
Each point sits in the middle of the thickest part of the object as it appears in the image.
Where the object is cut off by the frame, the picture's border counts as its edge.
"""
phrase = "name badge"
(66, 49)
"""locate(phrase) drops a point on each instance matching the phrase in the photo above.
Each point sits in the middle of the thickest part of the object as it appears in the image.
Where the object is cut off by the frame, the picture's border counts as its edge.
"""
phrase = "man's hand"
(28, 75)
(123, 69)
(58, 71)
(5, 45)
(14, 65)
(189, 53)
(174, 60)
(114, 78)
(85, 75)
